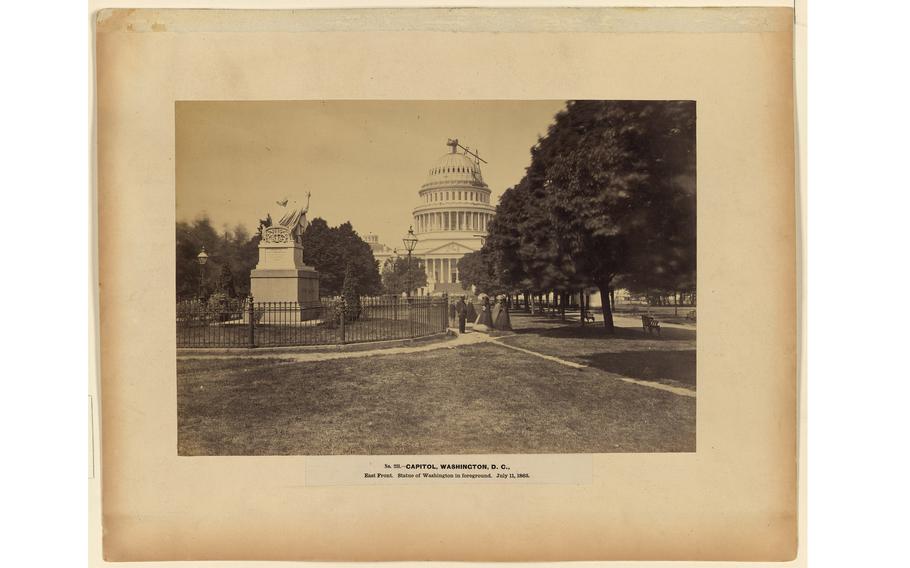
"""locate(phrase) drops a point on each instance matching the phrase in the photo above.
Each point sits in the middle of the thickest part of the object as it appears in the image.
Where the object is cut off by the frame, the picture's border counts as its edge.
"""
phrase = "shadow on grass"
(555, 328)
(647, 365)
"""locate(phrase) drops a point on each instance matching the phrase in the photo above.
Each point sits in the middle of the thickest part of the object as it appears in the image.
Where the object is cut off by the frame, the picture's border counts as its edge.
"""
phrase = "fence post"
(252, 341)
(344, 316)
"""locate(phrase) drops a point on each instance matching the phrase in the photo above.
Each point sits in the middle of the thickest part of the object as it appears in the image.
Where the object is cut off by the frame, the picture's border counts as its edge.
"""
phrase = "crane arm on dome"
(471, 153)
(455, 144)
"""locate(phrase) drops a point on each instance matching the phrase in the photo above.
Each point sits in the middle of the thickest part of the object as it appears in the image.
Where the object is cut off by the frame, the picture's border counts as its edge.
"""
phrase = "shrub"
(350, 295)
(220, 307)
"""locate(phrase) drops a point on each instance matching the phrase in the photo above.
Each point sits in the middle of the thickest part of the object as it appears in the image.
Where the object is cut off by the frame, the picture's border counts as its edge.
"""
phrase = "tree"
(351, 294)
(473, 271)
(610, 193)
(397, 278)
(241, 254)
(360, 255)
(479, 269)
(621, 183)
(226, 282)
(331, 249)
(233, 249)
(191, 238)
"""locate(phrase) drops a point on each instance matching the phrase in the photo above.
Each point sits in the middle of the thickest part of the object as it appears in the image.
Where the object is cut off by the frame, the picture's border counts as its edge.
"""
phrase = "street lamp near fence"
(410, 242)
(202, 258)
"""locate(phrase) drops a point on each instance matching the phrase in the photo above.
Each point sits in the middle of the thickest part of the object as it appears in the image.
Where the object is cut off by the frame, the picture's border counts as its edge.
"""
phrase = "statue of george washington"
(287, 213)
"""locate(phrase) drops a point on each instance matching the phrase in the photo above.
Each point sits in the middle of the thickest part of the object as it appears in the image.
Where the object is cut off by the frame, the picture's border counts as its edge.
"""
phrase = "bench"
(588, 316)
(649, 324)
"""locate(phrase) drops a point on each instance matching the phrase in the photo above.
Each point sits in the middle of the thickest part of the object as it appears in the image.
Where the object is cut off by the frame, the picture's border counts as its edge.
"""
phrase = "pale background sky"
(363, 161)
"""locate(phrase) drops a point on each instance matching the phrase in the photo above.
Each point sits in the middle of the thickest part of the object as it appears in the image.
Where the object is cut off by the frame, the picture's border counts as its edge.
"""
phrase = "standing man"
(461, 309)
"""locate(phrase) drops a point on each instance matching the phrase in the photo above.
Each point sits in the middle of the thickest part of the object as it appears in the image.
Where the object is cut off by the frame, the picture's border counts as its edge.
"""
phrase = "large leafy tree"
(609, 194)
(508, 263)
(331, 249)
(233, 250)
(397, 277)
(619, 180)
(474, 271)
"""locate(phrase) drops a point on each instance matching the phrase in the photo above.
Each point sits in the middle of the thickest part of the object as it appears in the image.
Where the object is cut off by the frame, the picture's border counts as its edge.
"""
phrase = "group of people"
(486, 318)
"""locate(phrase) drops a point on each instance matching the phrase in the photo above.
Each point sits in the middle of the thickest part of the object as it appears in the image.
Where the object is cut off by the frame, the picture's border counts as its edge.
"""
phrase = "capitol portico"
(452, 217)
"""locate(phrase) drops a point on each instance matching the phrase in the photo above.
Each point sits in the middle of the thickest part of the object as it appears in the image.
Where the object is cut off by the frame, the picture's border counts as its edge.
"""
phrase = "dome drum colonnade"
(452, 217)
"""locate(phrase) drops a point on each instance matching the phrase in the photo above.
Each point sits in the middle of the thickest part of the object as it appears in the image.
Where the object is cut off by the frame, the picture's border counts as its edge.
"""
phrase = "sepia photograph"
(435, 277)
(356, 265)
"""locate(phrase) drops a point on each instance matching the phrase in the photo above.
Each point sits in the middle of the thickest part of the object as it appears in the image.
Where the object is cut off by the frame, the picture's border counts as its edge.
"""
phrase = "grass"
(473, 399)
(668, 359)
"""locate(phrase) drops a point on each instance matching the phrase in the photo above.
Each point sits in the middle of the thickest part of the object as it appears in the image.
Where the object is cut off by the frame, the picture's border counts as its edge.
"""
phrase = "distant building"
(381, 252)
(452, 217)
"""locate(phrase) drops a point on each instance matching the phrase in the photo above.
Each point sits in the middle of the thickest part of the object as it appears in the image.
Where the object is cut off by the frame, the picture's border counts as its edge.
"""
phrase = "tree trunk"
(604, 288)
(562, 306)
(581, 307)
(612, 299)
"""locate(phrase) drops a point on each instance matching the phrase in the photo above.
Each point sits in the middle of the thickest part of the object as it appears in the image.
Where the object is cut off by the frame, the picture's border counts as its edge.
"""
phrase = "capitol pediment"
(452, 247)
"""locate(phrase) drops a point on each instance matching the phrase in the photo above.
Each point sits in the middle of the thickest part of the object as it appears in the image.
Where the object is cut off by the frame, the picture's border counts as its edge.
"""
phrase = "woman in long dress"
(472, 312)
(484, 318)
(502, 321)
(494, 311)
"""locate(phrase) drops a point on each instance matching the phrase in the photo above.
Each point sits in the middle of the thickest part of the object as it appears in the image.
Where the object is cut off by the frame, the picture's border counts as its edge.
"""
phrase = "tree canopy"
(609, 197)
(330, 249)
(231, 248)
(479, 270)
(397, 278)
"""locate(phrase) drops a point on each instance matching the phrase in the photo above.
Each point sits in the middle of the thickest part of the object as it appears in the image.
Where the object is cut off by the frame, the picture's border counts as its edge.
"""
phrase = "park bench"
(589, 316)
(649, 324)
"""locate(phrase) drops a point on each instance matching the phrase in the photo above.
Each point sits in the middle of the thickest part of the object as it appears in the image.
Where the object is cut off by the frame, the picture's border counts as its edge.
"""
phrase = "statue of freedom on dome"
(287, 213)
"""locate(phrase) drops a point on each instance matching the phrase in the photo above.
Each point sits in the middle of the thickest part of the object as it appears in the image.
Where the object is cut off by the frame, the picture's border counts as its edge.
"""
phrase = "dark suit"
(461, 309)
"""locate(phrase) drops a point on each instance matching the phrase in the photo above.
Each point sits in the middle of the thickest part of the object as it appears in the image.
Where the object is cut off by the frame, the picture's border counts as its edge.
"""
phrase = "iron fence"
(247, 323)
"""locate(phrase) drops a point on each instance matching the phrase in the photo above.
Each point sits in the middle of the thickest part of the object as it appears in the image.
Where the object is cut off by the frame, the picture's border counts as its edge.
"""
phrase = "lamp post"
(410, 241)
(202, 258)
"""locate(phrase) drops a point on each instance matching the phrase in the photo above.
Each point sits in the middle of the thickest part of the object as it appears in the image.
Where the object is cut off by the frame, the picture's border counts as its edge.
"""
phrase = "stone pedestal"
(281, 276)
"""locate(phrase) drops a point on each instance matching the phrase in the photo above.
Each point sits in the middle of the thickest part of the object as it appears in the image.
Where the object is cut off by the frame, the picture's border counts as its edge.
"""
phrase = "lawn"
(668, 359)
(481, 398)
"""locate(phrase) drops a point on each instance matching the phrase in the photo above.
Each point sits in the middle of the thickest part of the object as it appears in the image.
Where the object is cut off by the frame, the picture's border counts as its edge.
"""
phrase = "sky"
(363, 161)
